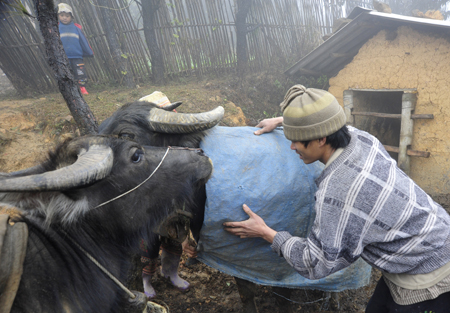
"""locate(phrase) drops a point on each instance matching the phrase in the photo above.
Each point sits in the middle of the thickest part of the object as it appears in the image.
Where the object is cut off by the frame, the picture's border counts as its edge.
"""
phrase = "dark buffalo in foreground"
(90, 202)
(148, 124)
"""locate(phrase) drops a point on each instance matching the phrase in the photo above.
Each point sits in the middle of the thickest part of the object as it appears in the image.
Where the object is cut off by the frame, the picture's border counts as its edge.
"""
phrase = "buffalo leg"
(247, 293)
(170, 260)
(148, 288)
(169, 269)
(149, 257)
(282, 299)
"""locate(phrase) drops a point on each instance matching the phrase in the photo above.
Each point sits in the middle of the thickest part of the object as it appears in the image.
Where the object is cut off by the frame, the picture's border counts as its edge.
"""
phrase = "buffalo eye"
(137, 156)
(126, 136)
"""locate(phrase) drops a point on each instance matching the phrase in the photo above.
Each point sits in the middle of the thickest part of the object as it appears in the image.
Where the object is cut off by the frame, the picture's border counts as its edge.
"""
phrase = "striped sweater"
(74, 41)
(367, 207)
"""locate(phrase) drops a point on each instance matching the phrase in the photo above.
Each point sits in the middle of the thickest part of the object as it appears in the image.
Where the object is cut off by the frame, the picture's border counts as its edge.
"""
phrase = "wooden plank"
(416, 153)
(310, 72)
(386, 115)
(409, 100)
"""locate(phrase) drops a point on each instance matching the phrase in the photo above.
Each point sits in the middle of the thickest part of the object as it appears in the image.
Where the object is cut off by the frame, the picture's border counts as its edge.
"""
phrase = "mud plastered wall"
(418, 60)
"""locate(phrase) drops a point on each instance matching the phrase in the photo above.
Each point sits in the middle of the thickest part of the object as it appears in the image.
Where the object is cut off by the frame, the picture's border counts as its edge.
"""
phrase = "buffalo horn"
(172, 106)
(91, 166)
(183, 123)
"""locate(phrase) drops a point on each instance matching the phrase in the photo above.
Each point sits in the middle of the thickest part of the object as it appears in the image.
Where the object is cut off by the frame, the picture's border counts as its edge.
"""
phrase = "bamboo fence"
(196, 37)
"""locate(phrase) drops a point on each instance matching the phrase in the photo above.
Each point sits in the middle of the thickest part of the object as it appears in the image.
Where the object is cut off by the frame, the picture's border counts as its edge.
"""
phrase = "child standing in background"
(75, 44)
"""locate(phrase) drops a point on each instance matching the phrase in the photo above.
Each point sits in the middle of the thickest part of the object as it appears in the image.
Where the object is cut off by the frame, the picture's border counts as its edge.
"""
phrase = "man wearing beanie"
(365, 207)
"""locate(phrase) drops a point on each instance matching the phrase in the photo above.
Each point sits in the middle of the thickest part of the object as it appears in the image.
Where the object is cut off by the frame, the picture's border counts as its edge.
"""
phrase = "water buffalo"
(84, 209)
(149, 124)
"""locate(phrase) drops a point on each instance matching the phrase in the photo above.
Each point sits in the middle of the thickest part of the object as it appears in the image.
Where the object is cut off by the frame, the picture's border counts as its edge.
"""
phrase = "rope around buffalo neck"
(133, 189)
(104, 270)
(150, 304)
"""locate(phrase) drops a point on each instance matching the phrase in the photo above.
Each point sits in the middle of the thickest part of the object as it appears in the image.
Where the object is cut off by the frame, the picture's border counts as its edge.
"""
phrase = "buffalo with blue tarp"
(260, 171)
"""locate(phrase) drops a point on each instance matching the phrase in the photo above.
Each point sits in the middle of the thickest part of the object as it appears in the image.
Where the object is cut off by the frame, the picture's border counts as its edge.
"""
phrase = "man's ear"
(322, 141)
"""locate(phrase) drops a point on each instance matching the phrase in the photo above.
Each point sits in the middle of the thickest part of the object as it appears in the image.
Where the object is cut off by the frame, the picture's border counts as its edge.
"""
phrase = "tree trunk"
(59, 63)
(149, 8)
(114, 46)
(241, 36)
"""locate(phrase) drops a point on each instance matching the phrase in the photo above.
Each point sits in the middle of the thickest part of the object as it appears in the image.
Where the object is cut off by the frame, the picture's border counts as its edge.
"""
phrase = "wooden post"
(406, 130)
(348, 106)
(149, 10)
(243, 7)
(120, 61)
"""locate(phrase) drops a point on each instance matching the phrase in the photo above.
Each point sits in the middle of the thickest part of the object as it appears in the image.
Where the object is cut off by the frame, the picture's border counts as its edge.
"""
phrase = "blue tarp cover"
(264, 173)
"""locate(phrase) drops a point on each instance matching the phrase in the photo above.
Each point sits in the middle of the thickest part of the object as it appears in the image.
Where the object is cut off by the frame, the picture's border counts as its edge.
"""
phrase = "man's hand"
(268, 125)
(190, 248)
(253, 227)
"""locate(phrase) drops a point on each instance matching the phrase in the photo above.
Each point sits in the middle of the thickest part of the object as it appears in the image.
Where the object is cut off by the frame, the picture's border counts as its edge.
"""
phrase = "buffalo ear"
(53, 206)
(38, 169)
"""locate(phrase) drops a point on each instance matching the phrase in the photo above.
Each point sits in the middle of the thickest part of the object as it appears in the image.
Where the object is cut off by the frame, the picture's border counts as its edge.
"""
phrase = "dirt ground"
(213, 291)
(30, 126)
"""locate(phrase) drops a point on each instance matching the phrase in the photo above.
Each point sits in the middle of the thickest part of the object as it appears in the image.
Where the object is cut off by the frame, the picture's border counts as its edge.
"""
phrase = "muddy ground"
(30, 126)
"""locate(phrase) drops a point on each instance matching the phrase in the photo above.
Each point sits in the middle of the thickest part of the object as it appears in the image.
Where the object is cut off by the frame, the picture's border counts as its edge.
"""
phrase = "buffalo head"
(148, 124)
(114, 184)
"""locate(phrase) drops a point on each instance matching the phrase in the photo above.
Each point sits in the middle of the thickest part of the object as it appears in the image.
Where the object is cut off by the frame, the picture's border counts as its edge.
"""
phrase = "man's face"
(309, 154)
(65, 18)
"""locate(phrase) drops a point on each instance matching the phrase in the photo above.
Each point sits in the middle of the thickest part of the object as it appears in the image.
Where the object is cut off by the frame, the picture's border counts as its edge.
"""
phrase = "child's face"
(65, 18)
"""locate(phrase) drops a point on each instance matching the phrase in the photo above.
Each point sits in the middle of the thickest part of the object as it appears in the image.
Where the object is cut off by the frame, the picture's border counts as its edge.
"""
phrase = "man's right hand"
(268, 125)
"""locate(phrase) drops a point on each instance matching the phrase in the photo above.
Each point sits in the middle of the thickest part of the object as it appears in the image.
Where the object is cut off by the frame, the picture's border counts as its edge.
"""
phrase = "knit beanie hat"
(310, 114)
(64, 8)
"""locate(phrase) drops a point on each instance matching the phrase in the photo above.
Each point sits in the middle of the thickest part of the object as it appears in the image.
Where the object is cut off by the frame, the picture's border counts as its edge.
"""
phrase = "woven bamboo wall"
(196, 37)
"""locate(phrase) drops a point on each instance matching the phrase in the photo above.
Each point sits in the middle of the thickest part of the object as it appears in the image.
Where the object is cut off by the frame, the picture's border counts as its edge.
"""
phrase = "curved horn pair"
(91, 166)
(183, 123)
